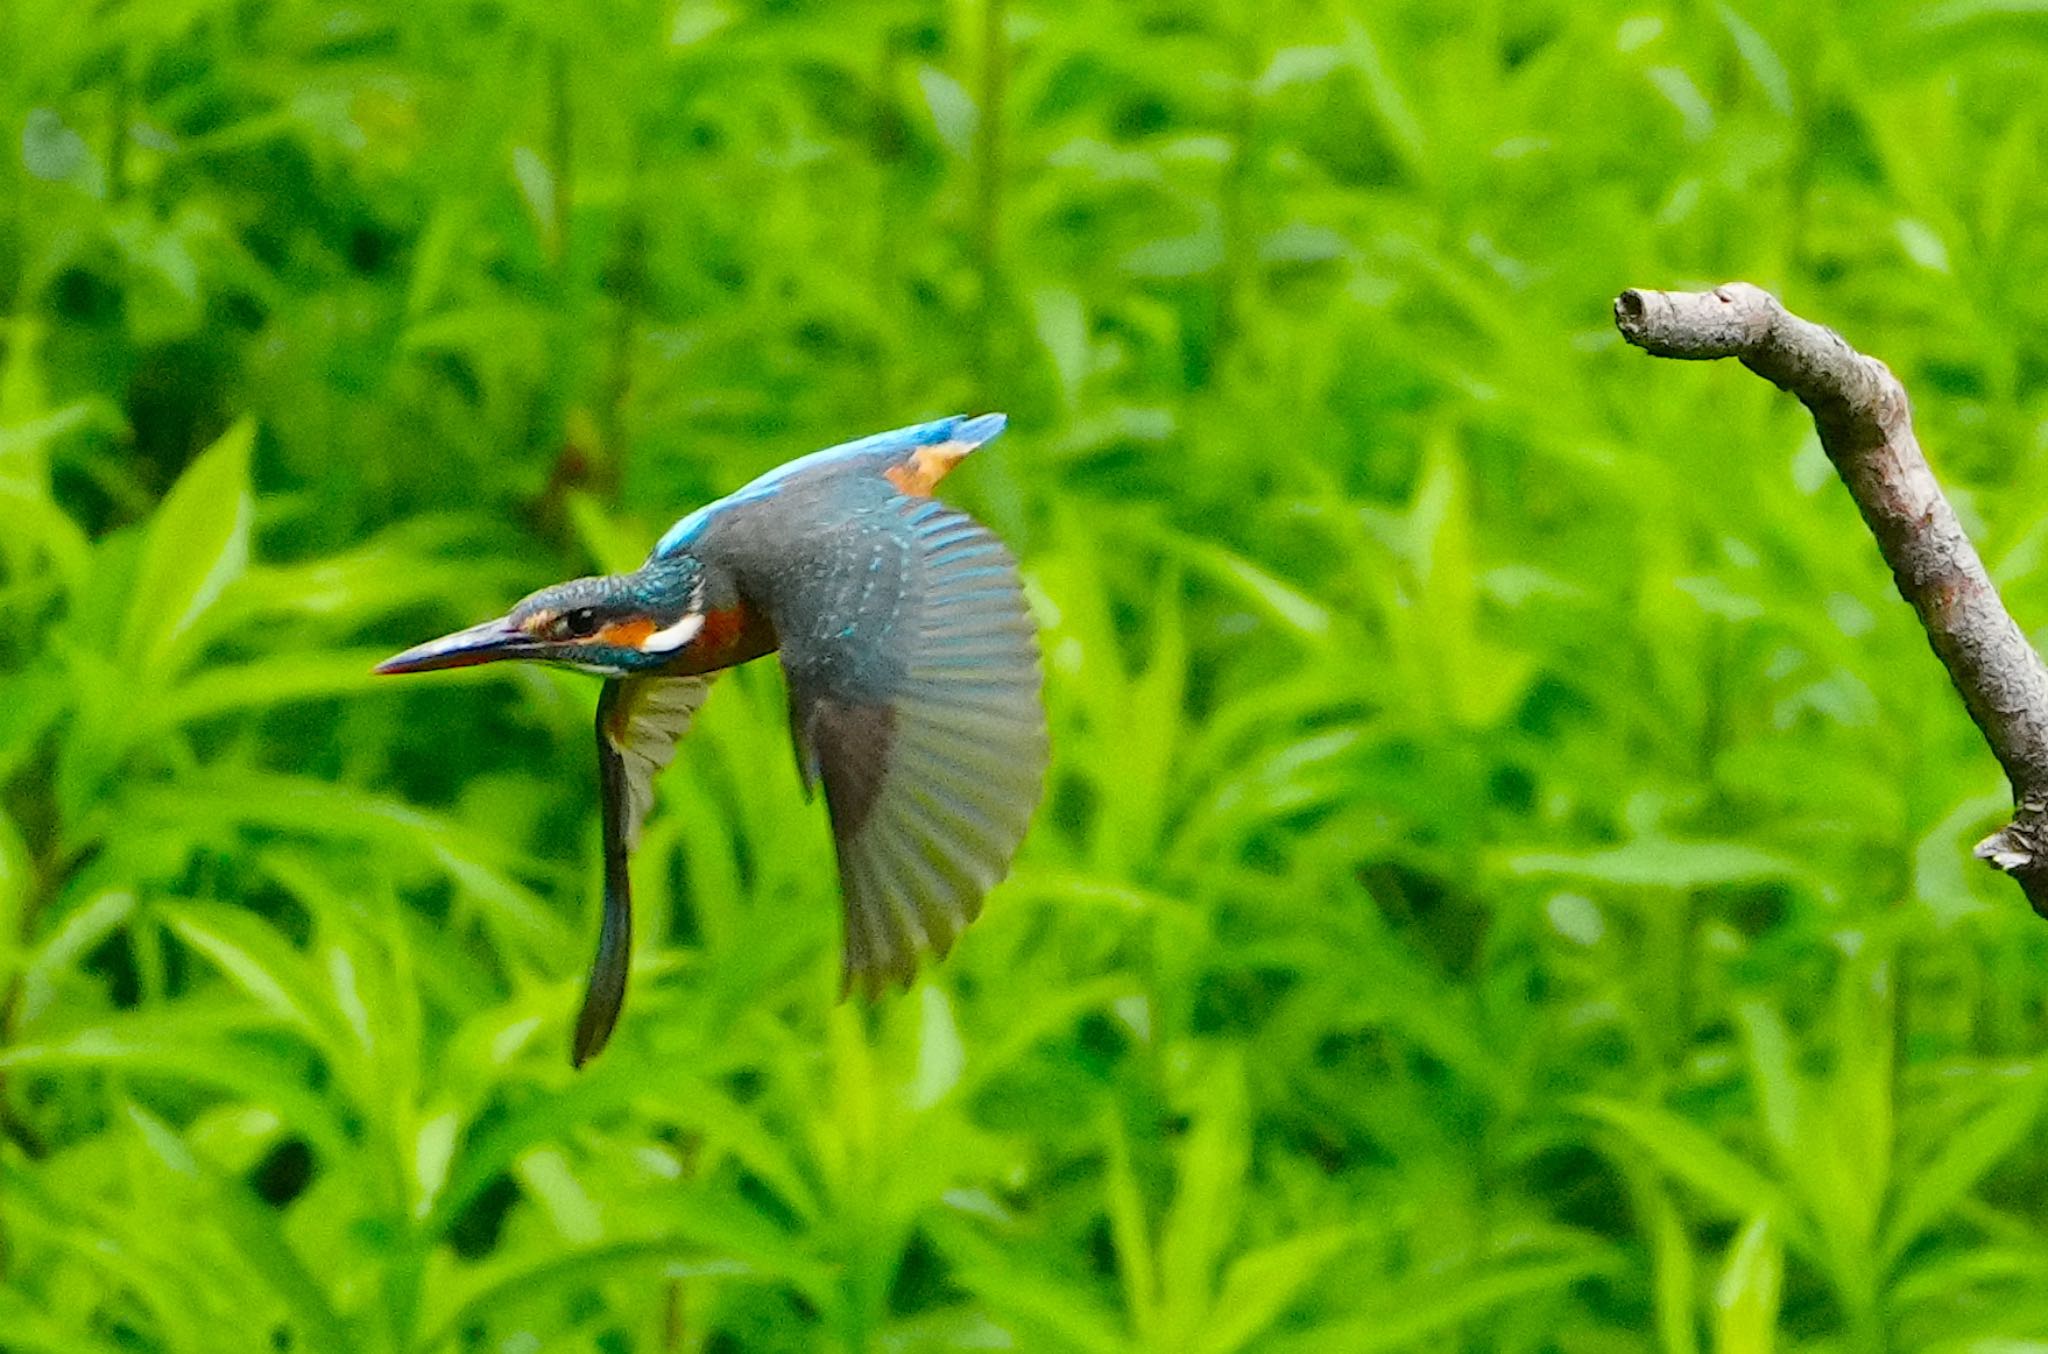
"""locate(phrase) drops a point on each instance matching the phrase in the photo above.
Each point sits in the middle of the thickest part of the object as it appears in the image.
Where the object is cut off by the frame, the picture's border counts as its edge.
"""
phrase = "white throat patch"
(675, 636)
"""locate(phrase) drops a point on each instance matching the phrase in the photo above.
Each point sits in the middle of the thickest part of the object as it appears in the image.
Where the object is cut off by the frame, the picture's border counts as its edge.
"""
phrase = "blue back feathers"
(882, 449)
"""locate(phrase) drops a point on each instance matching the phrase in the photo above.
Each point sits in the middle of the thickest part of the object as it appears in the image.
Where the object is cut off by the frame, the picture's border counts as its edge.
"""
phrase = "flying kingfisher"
(912, 666)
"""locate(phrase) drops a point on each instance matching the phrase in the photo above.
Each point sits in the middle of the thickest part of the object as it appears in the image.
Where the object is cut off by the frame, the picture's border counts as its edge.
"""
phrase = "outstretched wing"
(639, 720)
(915, 698)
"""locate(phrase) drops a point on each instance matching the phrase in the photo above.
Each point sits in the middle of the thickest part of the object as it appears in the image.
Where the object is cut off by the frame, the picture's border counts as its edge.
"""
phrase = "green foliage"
(1505, 879)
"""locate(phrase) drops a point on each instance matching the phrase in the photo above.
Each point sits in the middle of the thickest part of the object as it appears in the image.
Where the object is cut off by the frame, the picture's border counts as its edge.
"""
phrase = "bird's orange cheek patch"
(926, 467)
(629, 634)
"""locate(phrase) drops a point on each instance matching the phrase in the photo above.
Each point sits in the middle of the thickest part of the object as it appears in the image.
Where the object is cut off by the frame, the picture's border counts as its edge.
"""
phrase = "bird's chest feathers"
(727, 638)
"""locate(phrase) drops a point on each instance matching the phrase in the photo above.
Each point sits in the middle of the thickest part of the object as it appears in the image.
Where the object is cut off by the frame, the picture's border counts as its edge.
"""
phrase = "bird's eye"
(580, 623)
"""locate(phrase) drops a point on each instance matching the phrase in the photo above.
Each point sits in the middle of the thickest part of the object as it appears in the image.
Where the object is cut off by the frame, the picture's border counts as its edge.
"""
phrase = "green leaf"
(1262, 1284)
(617, 548)
(99, 1241)
(1780, 1096)
(264, 682)
(198, 1052)
(1677, 1285)
(1681, 1149)
(269, 969)
(1007, 1279)
(705, 1235)
(18, 886)
(1130, 1229)
(1929, 1192)
(1761, 58)
(197, 543)
(940, 1057)
(78, 933)
(1662, 863)
(32, 1330)
(256, 1231)
(1746, 1298)
(1203, 1218)
(1426, 1317)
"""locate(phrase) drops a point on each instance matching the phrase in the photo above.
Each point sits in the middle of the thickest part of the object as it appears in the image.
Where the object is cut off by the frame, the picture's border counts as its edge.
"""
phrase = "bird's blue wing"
(915, 699)
(921, 454)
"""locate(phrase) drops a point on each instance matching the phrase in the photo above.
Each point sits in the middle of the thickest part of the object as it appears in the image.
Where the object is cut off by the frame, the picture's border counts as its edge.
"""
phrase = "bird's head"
(615, 625)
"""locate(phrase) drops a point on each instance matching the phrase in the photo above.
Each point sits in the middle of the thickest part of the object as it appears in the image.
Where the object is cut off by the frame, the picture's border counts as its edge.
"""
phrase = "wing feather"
(652, 715)
(639, 721)
(916, 698)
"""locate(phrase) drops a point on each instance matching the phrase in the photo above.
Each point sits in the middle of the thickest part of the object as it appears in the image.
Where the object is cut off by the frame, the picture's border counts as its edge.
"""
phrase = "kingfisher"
(915, 695)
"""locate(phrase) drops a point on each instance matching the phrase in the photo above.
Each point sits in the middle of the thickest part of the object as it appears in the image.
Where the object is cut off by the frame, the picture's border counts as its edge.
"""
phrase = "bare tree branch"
(1866, 429)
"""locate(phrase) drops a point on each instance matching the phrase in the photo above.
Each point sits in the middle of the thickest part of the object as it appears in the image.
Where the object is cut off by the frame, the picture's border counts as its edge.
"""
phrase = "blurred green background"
(1504, 884)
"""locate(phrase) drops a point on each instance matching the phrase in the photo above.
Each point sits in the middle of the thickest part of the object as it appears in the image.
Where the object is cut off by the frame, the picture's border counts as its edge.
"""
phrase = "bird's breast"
(729, 636)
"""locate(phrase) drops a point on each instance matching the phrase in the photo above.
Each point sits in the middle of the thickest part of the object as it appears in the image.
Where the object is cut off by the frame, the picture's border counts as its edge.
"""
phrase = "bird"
(916, 697)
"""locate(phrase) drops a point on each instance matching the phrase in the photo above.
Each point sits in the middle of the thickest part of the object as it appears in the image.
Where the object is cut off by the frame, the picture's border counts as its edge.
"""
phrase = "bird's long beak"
(485, 643)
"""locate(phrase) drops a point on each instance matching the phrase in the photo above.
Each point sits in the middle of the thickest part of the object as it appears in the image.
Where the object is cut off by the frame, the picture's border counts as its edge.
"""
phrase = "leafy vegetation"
(1505, 882)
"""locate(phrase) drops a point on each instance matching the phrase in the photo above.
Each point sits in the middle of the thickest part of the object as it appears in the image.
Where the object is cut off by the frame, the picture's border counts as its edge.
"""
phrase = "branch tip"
(1861, 412)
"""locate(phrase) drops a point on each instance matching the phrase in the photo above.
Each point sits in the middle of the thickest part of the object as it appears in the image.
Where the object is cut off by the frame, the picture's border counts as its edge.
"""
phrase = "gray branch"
(1866, 429)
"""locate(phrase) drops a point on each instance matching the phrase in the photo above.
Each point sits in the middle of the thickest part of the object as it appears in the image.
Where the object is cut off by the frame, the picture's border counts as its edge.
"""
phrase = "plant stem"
(561, 151)
(12, 213)
(988, 197)
(117, 133)
(627, 282)
(34, 897)
(889, 139)
(1234, 190)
